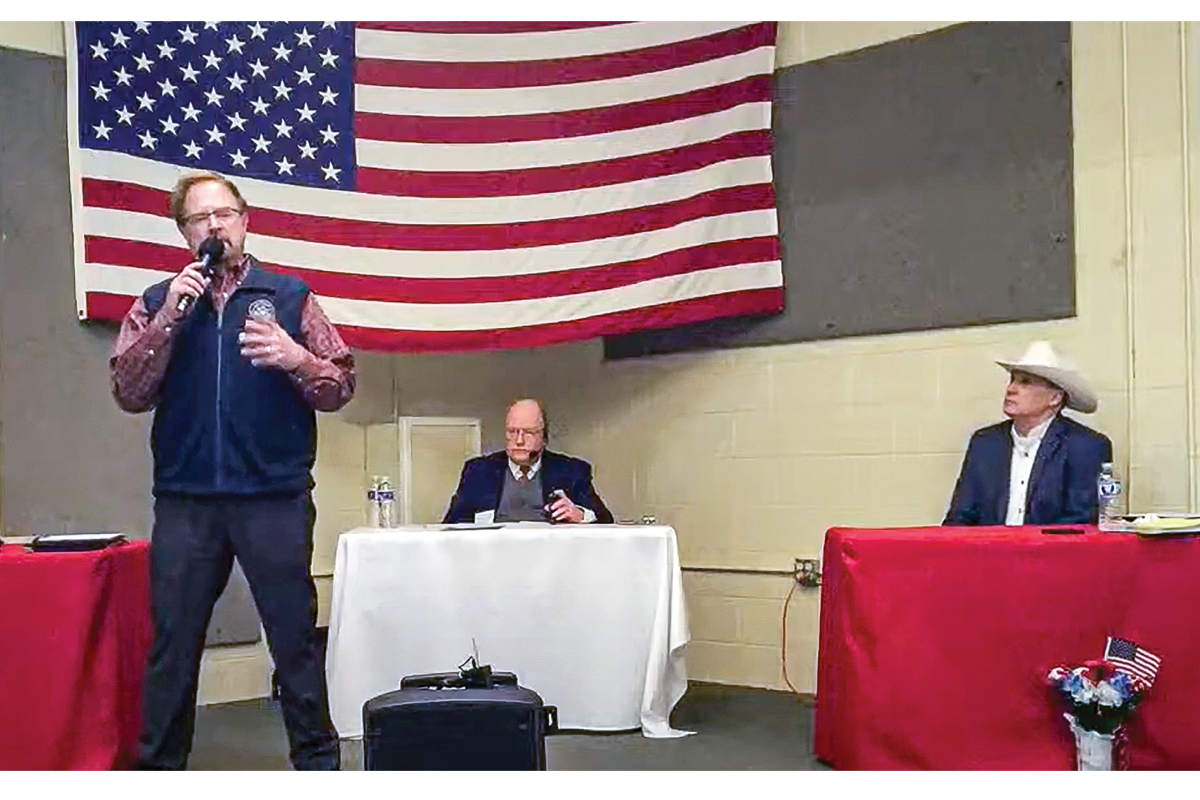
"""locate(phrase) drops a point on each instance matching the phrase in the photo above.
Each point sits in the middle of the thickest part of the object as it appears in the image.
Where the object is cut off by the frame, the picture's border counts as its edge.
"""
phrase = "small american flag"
(441, 186)
(1128, 657)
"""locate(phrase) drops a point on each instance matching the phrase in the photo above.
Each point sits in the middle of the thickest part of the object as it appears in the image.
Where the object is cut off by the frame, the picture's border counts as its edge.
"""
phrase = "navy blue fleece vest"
(222, 426)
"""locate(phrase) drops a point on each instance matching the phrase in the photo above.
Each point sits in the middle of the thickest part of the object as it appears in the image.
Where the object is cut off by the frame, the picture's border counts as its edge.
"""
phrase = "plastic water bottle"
(1112, 499)
(386, 500)
(373, 503)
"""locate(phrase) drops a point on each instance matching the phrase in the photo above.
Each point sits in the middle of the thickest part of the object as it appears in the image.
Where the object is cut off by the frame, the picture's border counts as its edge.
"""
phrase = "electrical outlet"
(807, 571)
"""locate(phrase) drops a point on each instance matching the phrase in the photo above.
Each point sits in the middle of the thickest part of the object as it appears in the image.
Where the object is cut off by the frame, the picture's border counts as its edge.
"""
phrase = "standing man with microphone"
(233, 366)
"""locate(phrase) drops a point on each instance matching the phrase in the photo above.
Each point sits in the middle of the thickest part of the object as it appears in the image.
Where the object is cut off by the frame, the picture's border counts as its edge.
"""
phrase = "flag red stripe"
(557, 71)
(756, 301)
(107, 307)
(103, 306)
(562, 124)
(379, 235)
(482, 27)
(120, 252)
(543, 180)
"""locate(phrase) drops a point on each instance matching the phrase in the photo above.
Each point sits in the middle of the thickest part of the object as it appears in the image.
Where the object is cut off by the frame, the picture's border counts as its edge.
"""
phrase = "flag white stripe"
(486, 316)
(534, 46)
(566, 96)
(421, 156)
(449, 210)
(453, 263)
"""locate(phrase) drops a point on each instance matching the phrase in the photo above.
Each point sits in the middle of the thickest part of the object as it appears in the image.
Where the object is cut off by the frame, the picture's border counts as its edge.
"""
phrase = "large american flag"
(1128, 657)
(441, 185)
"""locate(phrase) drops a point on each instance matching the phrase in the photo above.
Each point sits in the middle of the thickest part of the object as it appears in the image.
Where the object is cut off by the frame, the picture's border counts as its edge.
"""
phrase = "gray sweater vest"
(520, 501)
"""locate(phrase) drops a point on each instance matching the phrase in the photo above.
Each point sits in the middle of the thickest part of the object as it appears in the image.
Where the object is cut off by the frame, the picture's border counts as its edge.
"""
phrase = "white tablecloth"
(591, 617)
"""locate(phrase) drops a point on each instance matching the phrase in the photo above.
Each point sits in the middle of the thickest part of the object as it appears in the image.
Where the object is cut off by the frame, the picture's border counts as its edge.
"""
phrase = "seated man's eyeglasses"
(516, 433)
(222, 215)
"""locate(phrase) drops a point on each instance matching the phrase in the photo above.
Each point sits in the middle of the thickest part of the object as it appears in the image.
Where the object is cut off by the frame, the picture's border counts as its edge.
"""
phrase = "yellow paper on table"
(1153, 522)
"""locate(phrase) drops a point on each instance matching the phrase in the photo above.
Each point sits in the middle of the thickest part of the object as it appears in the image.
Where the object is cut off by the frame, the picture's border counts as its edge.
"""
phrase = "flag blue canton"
(1119, 648)
(270, 100)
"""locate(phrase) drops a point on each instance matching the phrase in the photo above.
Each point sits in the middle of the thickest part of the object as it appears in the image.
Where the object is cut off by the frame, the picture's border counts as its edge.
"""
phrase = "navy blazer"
(1062, 486)
(482, 481)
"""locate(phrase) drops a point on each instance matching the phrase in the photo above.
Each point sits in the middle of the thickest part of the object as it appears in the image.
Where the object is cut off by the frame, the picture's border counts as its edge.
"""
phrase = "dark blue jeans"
(192, 548)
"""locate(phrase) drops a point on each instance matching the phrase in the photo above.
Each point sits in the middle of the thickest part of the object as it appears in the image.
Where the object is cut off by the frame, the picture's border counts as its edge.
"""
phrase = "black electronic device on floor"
(469, 720)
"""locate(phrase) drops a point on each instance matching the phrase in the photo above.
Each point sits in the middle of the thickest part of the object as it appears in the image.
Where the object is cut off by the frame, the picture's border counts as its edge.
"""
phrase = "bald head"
(525, 431)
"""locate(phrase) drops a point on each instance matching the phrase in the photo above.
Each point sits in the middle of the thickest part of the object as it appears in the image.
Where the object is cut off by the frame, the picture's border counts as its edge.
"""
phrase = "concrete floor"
(736, 729)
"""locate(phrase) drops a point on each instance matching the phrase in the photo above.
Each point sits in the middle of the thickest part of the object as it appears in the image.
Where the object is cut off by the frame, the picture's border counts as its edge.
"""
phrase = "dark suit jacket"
(1062, 486)
(483, 479)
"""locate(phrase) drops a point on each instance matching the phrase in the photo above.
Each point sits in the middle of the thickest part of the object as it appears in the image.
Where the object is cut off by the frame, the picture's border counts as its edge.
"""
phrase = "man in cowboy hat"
(1038, 468)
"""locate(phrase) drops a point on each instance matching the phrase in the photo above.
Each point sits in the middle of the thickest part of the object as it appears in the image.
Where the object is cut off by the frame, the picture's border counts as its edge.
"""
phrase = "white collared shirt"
(1024, 453)
(515, 469)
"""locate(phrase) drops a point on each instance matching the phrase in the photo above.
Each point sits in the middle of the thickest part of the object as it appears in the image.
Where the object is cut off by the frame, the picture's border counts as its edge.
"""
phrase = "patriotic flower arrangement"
(1100, 697)
(1097, 695)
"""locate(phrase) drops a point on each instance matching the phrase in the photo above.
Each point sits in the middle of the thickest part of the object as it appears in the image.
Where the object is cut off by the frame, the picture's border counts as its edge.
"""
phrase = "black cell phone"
(1062, 530)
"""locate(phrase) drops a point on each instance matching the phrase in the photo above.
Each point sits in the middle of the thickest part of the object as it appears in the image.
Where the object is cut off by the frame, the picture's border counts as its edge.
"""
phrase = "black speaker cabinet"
(427, 726)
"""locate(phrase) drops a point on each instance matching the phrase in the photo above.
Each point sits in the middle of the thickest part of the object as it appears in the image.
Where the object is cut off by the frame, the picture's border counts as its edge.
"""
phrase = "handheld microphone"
(211, 250)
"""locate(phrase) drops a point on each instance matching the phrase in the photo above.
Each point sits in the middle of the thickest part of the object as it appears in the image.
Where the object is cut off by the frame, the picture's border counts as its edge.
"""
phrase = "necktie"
(524, 474)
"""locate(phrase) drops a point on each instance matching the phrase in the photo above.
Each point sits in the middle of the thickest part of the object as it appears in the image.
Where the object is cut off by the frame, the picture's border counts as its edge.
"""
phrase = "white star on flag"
(100, 51)
(187, 35)
(122, 76)
(285, 166)
(120, 39)
(238, 159)
(330, 172)
(192, 149)
(169, 125)
(148, 140)
(236, 121)
(102, 130)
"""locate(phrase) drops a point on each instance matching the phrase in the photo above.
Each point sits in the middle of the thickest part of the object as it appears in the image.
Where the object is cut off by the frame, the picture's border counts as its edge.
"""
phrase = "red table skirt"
(74, 634)
(935, 644)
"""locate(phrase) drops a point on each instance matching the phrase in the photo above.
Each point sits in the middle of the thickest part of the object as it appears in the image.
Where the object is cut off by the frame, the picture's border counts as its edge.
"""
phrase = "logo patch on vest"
(262, 309)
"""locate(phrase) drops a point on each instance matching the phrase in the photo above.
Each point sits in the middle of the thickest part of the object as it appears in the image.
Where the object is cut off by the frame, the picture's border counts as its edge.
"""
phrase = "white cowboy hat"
(1041, 359)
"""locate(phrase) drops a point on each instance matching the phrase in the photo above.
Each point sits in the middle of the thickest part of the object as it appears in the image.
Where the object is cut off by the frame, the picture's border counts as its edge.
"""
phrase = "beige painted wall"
(40, 37)
(752, 454)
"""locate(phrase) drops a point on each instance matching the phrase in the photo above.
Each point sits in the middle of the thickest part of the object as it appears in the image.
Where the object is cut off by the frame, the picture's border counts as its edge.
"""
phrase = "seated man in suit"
(526, 482)
(1039, 468)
